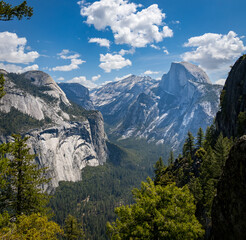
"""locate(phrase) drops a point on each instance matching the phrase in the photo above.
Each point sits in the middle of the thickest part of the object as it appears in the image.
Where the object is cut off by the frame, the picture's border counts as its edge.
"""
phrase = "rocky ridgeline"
(229, 206)
(231, 119)
(66, 138)
(78, 94)
(161, 111)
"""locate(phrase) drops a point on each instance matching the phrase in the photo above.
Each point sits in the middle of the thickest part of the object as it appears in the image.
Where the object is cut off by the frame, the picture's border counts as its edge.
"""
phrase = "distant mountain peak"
(180, 74)
(40, 78)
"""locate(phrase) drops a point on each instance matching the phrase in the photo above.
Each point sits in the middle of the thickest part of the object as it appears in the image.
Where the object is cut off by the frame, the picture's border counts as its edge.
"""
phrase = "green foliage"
(222, 149)
(15, 122)
(9, 12)
(159, 213)
(188, 145)
(158, 169)
(72, 229)
(2, 80)
(200, 171)
(4, 164)
(222, 100)
(196, 189)
(21, 198)
(200, 138)
(93, 200)
(21, 181)
(27, 86)
(210, 137)
(241, 123)
(32, 227)
(171, 158)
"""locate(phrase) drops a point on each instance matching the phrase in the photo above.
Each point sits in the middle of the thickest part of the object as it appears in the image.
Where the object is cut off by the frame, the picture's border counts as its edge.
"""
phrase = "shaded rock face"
(114, 99)
(69, 141)
(231, 119)
(78, 94)
(161, 111)
(40, 78)
(176, 80)
(229, 206)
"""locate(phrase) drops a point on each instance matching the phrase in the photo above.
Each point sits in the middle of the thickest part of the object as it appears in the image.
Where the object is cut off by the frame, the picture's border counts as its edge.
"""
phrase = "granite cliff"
(78, 94)
(64, 136)
(231, 119)
(161, 111)
(229, 206)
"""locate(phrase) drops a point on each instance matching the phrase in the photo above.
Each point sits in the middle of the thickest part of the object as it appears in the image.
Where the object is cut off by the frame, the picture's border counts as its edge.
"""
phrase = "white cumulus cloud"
(95, 78)
(83, 81)
(220, 82)
(211, 50)
(12, 49)
(110, 62)
(155, 47)
(123, 52)
(61, 79)
(18, 69)
(128, 24)
(74, 61)
(149, 72)
(103, 42)
(165, 50)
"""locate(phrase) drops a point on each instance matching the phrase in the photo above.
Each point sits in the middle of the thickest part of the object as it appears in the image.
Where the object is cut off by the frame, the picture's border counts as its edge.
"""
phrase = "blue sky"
(93, 42)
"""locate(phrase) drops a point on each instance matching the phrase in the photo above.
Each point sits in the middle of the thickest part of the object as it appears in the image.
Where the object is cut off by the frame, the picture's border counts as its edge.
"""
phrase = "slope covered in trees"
(22, 202)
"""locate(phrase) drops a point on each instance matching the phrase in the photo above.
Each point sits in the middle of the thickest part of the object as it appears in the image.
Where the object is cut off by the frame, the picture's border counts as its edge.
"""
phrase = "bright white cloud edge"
(103, 42)
(129, 26)
(12, 49)
(214, 51)
(111, 62)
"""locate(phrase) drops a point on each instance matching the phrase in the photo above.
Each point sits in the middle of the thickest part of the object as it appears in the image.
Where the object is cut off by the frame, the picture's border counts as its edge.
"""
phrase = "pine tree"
(8, 12)
(2, 80)
(21, 193)
(200, 138)
(210, 137)
(160, 212)
(196, 189)
(171, 158)
(188, 145)
(72, 229)
(4, 165)
(222, 149)
(158, 169)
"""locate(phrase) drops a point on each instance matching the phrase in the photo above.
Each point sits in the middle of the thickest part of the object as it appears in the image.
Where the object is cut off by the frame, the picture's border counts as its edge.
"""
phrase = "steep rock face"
(161, 111)
(229, 206)
(78, 94)
(114, 99)
(40, 78)
(177, 79)
(67, 138)
(231, 119)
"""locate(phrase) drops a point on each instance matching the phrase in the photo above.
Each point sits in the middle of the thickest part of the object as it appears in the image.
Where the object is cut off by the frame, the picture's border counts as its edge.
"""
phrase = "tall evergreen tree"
(21, 193)
(171, 158)
(222, 149)
(158, 169)
(9, 12)
(200, 138)
(72, 229)
(188, 145)
(2, 80)
(210, 136)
